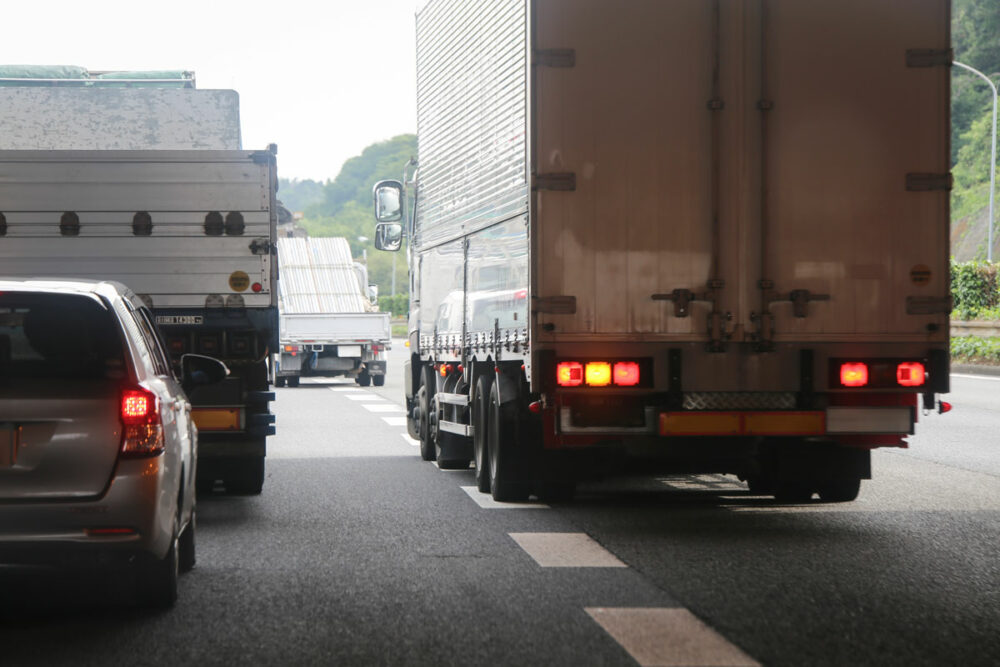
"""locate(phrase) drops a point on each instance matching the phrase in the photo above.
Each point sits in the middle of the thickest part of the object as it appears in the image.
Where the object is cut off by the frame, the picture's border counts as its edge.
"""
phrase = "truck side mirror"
(388, 236)
(388, 197)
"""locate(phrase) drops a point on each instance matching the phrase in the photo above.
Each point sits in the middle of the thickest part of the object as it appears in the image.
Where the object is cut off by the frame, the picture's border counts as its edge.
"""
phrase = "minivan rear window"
(58, 336)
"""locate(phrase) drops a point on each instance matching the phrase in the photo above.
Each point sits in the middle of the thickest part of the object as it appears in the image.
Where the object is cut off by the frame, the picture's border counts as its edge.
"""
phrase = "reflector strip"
(216, 419)
(742, 423)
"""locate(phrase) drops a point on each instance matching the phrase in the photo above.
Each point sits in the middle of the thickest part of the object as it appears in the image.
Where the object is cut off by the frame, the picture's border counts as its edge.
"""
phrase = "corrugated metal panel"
(316, 275)
(36, 118)
(471, 115)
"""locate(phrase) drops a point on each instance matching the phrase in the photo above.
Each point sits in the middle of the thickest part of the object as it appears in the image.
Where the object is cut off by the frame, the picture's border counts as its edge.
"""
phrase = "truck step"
(455, 427)
(452, 399)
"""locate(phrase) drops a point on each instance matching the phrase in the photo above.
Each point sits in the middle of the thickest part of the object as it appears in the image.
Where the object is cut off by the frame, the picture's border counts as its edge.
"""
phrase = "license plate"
(348, 350)
(8, 447)
(179, 319)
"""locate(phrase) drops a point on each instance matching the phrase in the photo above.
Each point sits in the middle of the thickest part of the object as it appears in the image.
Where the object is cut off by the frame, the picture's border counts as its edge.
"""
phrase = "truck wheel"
(293, 381)
(480, 431)
(378, 380)
(279, 382)
(427, 452)
(507, 482)
(363, 379)
(841, 490)
(246, 477)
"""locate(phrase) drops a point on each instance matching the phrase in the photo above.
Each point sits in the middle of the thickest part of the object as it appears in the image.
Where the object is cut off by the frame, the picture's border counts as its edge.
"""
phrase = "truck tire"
(293, 381)
(363, 379)
(508, 482)
(378, 380)
(246, 476)
(427, 452)
(841, 490)
(480, 431)
(279, 382)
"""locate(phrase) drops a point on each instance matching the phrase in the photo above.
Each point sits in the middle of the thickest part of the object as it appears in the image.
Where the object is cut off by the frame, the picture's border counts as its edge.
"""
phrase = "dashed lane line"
(395, 421)
(486, 501)
(409, 440)
(383, 407)
(364, 396)
(668, 637)
(348, 390)
(565, 550)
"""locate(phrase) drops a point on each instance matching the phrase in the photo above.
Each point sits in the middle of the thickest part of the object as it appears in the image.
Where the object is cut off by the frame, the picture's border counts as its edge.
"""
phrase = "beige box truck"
(706, 237)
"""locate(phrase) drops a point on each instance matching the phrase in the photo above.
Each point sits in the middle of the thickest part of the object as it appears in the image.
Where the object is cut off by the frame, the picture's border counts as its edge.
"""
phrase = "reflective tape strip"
(742, 423)
(217, 419)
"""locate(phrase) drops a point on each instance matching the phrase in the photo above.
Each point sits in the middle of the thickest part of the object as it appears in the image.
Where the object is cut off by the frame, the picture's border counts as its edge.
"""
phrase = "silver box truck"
(691, 236)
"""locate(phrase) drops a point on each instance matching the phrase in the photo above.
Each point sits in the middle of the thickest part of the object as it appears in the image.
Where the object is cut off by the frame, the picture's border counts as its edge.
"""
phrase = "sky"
(322, 79)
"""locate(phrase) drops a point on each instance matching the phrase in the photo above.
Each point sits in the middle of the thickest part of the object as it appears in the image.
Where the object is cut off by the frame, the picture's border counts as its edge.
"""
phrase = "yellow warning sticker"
(239, 281)
(920, 274)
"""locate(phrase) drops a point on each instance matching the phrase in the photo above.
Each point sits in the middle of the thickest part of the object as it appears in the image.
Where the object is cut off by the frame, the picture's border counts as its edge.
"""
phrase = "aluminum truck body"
(696, 236)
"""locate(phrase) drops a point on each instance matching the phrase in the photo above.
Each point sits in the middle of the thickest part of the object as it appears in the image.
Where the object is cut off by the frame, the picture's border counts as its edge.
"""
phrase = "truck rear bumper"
(832, 421)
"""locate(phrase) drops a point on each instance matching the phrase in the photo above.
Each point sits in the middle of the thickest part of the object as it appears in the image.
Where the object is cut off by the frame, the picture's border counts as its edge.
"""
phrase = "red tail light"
(598, 373)
(910, 374)
(142, 432)
(626, 373)
(854, 374)
(569, 374)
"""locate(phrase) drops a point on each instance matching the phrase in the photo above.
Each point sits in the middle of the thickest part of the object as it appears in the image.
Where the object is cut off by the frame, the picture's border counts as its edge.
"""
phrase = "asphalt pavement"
(358, 552)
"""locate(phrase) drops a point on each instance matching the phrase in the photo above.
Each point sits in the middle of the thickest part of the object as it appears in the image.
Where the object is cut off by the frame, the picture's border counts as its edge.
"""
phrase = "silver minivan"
(97, 446)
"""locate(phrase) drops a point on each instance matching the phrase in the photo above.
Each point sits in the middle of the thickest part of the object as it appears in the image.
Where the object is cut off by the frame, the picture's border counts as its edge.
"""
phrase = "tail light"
(292, 349)
(569, 374)
(597, 373)
(910, 374)
(854, 374)
(626, 374)
(142, 431)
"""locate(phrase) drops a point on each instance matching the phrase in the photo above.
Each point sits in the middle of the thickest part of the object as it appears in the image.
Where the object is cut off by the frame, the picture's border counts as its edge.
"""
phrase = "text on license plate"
(179, 319)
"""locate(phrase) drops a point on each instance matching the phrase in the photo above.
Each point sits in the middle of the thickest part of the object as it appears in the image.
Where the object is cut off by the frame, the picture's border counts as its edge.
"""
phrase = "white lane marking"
(348, 390)
(383, 407)
(991, 378)
(671, 637)
(409, 440)
(364, 397)
(565, 550)
(395, 421)
(486, 501)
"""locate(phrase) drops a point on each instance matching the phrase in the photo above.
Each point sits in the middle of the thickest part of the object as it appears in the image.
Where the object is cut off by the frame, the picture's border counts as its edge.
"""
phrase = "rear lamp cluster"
(880, 374)
(142, 432)
(598, 373)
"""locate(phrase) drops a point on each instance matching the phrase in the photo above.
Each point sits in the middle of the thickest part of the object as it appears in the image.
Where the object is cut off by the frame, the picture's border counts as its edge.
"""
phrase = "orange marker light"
(569, 374)
(626, 373)
(910, 374)
(854, 374)
(598, 373)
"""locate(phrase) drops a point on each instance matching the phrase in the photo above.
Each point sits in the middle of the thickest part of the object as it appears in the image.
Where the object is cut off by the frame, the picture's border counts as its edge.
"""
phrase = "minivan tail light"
(142, 430)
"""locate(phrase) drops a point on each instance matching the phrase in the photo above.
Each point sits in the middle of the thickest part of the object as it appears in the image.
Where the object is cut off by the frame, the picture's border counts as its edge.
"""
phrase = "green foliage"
(975, 32)
(975, 289)
(975, 350)
(298, 195)
(344, 208)
(398, 305)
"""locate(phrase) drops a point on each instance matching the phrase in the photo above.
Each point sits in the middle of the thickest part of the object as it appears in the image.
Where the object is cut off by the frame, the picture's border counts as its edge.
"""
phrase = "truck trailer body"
(192, 233)
(693, 236)
(329, 326)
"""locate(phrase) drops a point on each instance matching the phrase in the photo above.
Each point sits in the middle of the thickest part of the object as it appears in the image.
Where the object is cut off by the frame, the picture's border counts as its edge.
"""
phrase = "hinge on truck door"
(682, 299)
(555, 57)
(929, 182)
(261, 247)
(800, 299)
(929, 57)
(565, 182)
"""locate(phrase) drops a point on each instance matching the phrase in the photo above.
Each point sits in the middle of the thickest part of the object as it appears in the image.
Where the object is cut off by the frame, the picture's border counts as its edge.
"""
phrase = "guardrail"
(979, 329)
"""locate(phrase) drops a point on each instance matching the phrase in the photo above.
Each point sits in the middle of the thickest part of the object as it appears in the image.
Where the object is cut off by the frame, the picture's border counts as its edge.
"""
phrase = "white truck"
(329, 325)
(176, 211)
(700, 237)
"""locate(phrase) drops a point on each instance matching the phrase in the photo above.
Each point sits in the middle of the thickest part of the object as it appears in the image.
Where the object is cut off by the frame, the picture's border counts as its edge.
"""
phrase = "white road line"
(395, 421)
(565, 550)
(991, 378)
(348, 390)
(383, 407)
(409, 440)
(669, 637)
(486, 501)
(364, 397)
